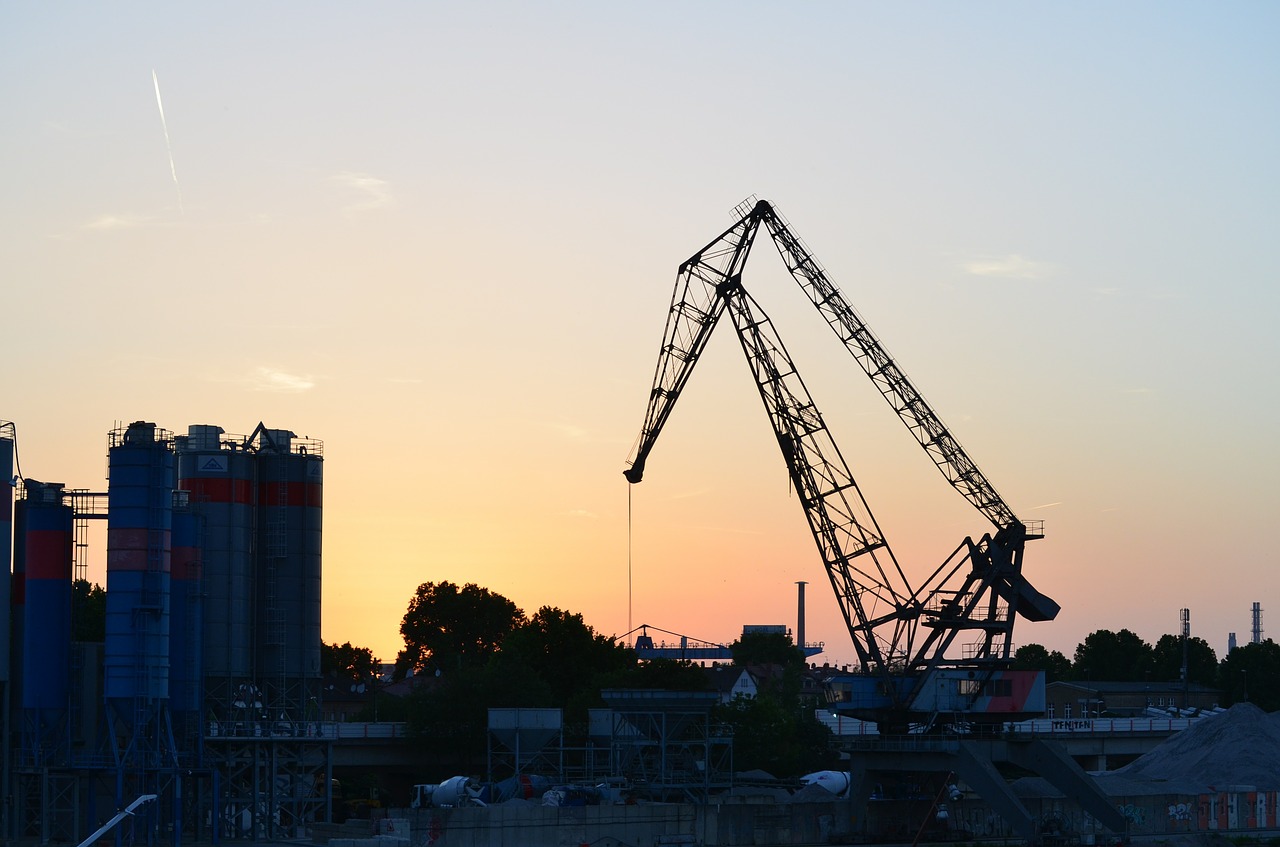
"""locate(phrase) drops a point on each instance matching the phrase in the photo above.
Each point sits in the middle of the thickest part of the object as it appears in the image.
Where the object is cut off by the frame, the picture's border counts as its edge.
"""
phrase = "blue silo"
(47, 553)
(6, 545)
(185, 609)
(139, 527)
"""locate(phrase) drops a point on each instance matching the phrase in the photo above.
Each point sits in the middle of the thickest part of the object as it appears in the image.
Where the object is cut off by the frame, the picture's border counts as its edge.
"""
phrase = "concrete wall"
(519, 825)
(739, 824)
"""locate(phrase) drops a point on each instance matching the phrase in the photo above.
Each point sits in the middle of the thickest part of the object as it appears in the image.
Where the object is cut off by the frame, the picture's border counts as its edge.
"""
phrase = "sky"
(442, 237)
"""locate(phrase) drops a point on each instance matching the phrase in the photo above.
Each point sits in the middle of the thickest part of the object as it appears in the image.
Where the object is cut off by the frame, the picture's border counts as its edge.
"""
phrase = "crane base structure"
(974, 760)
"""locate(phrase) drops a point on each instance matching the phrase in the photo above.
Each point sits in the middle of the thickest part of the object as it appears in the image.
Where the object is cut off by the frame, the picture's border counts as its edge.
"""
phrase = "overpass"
(1097, 744)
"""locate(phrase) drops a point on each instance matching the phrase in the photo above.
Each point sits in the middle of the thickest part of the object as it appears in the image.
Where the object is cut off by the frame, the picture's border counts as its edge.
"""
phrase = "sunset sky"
(442, 237)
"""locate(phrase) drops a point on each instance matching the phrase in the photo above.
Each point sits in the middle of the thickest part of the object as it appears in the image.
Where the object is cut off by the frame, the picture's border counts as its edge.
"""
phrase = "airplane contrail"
(169, 147)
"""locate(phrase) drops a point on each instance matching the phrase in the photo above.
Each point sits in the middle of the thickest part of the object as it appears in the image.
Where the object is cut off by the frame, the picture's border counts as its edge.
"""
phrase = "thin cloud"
(106, 222)
(685, 495)
(1012, 266)
(731, 530)
(582, 513)
(269, 379)
(1047, 505)
(371, 192)
(569, 431)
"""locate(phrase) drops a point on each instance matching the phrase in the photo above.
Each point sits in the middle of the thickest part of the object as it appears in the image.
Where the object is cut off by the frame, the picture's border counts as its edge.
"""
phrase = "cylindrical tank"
(290, 489)
(185, 618)
(220, 482)
(46, 642)
(139, 538)
(6, 539)
(18, 602)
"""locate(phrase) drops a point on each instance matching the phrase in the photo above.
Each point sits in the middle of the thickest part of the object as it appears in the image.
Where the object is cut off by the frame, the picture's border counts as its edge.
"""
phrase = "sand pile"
(1240, 746)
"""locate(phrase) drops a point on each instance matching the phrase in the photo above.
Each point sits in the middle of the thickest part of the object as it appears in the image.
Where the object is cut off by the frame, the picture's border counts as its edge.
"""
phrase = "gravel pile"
(1238, 747)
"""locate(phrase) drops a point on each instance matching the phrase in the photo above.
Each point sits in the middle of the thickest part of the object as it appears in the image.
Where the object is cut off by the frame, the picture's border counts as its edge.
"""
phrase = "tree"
(566, 654)
(664, 674)
(1202, 662)
(1034, 657)
(780, 738)
(1106, 656)
(777, 662)
(1251, 673)
(450, 717)
(89, 612)
(776, 731)
(356, 664)
(447, 628)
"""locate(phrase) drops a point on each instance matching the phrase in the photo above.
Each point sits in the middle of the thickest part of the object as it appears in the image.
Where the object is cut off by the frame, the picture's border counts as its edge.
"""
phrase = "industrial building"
(204, 691)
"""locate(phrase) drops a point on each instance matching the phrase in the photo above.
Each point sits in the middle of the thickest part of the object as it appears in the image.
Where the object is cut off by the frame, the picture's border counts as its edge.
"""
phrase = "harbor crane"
(931, 656)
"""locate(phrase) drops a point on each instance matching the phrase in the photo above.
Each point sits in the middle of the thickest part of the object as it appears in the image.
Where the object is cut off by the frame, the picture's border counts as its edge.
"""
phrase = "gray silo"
(290, 490)
(220, 478)
(17, 605)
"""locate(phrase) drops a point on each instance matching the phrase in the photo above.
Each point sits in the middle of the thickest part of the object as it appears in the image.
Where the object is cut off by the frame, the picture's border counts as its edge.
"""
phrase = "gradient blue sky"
(442, 238)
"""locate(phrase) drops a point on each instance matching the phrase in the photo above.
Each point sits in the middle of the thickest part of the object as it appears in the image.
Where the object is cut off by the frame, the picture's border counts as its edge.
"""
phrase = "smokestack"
(1257, 624)
(800, 616)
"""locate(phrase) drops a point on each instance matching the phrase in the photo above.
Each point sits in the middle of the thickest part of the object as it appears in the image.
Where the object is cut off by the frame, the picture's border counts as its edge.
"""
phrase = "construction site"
(198, 718)
(198, 713)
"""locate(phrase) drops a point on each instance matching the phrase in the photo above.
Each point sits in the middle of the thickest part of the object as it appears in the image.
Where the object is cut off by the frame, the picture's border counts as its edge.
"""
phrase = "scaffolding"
(666, 745)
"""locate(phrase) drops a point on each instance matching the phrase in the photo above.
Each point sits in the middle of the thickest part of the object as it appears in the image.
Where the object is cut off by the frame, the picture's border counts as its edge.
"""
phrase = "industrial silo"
(139, 527)
(46, 642)
(185, 604)
(18, 604)
(6, 545)
(290, 474)
(220, 478)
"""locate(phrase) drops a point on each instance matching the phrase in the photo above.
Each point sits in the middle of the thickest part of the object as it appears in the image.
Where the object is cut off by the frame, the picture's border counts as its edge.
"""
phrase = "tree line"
(469, 649)
(1251, 672)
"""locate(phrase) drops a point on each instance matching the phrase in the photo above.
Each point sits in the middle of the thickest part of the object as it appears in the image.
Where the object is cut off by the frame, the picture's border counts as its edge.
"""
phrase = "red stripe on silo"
(127, 560)
(48, 554)
(206, 489)
(131, 548)
(127, 538)
(291, 494)
(184, 563)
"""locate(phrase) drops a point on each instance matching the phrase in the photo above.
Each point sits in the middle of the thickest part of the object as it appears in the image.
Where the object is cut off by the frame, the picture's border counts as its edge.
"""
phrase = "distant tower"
(800, 615)
(1231, 641)
(1257, 624)
(1185, 616)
